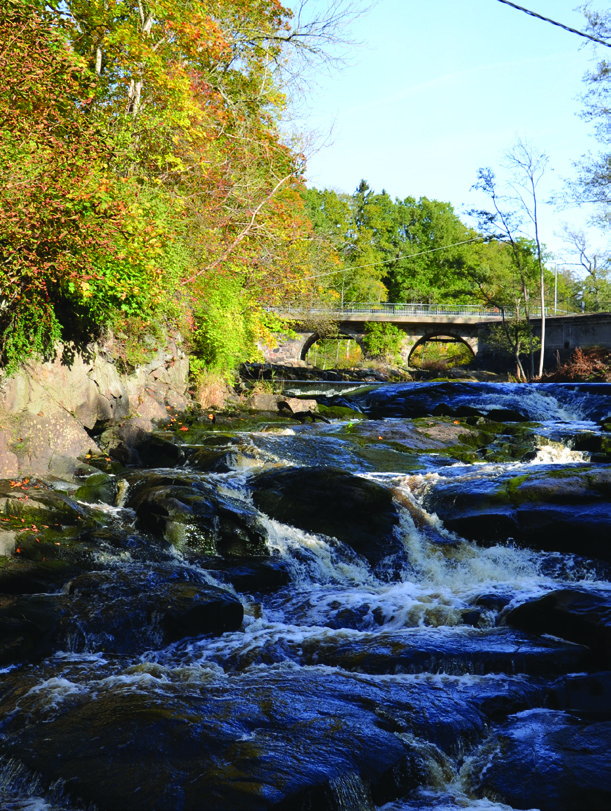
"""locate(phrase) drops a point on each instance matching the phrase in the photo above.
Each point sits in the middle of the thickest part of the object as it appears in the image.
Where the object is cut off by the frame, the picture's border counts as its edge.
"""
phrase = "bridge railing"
(412, 309)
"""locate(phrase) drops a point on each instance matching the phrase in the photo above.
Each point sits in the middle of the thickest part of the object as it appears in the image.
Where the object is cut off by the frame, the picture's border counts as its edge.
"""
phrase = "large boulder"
(124, 612)
(580, 616)
(355, 510)
(192, 738)
(567, 510)
(192, 516)
(545, 759)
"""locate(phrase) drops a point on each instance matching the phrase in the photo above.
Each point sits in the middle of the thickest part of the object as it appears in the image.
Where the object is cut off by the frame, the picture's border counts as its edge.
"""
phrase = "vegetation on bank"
(147, 185)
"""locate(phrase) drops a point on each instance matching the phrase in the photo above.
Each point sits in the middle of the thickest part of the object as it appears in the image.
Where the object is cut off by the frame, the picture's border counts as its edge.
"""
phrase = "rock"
(121, 440)
(457, 651)
(36, 503)
(194, 518)
(588, 696)
(48, 408)
(216, 460)
(566, 511)
(272, 402)
(31, 626)
(562, 763)
(124, 611)
(583, 617)
(356, 511)
(20, 576)
(229, 742)
(253, 575)
(97, 488)
(157, 452)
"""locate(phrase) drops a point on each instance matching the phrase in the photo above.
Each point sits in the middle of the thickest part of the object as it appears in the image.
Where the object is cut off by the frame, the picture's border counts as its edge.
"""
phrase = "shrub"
(383, 341)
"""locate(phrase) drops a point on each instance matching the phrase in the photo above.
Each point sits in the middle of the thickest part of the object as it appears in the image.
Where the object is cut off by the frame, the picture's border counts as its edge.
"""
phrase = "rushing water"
(352, 682)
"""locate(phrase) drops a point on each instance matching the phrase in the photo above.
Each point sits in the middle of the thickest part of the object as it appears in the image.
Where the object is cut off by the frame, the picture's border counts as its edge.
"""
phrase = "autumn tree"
(594, 181)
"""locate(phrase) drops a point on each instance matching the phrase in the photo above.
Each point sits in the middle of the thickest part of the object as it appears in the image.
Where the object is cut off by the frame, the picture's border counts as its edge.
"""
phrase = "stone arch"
(342, 333)
(470, 343)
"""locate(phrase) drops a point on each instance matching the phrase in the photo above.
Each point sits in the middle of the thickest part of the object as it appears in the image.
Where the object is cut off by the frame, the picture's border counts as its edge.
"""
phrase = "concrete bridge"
(467, 324)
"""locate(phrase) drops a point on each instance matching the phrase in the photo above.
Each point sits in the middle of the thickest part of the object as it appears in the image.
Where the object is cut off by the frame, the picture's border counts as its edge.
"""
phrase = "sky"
(438, 88)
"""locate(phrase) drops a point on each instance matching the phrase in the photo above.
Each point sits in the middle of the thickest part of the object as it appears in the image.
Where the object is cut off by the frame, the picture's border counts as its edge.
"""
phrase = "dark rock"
(251, 741)
(193, 517)
(124, 611)
(157, 452)
(506, 415)
(31, 626)
(583, 617)
(356, 511)
(547, 760)
(458, 652)
(565, 511)
(587, 696)
(217, 460)
(20, 576)
(121, 440)
(254, 575)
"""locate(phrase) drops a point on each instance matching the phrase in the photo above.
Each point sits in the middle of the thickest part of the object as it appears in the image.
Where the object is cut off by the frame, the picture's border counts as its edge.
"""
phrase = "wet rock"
(20, 576)
(97, 488)
(213, 460)
(124, 611)
(356, 511)
(586, 696)
(31, 626)
(252, 575)
(157, 452)
(250, 742)
(561, 511)
(195, 519)
(451, 651)
(583, 617)
(561, 762)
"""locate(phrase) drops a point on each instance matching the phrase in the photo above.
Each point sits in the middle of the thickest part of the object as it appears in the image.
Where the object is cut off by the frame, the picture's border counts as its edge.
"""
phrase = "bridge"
(467, 324)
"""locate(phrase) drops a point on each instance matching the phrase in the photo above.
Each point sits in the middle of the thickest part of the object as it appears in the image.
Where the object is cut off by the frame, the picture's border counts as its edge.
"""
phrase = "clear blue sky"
(439, 88)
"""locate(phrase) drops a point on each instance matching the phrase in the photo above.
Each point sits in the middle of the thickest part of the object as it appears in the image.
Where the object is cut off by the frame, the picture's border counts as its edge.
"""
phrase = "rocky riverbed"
(398, 598)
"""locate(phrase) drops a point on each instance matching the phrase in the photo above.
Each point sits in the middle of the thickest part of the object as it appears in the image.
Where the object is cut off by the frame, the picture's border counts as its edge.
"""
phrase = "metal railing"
(414, 310)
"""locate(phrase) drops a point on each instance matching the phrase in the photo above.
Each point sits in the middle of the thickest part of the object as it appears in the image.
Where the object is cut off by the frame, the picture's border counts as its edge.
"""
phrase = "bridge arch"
(451, 335)
(313, 337)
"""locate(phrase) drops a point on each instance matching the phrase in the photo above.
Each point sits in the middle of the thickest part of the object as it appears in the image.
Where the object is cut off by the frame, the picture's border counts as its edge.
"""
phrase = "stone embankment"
(53, 415)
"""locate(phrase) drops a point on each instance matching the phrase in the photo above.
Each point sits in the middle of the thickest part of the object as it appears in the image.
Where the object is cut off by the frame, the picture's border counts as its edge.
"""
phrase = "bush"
(384, 341)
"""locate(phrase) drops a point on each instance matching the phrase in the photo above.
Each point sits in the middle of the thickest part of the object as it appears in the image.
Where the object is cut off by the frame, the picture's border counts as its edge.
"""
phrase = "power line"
(382, 262)
(554, 22)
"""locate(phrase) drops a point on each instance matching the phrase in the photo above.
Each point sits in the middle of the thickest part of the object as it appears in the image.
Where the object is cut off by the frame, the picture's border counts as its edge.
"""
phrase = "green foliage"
(402, 250)
(140, 163)
(383, 341)
(439, 356)
(227, 326)
(32, 332)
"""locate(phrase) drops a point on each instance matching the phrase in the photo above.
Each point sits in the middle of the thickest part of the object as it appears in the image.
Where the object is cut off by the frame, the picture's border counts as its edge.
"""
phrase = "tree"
(594, 181)
(408, 250)
(528, 168)
(510, 207)
(143, 159)
(592, 293)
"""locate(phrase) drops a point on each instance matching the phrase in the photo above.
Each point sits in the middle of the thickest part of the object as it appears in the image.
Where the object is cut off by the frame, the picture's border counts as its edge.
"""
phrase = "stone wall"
(49, 410)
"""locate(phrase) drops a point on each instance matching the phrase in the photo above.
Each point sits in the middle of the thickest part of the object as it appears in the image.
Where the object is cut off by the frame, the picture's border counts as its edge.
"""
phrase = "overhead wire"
(555, 22)
(381, 262)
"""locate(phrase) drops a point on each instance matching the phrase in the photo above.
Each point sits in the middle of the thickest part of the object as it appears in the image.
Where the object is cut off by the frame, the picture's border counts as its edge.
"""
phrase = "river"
(405, 606)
